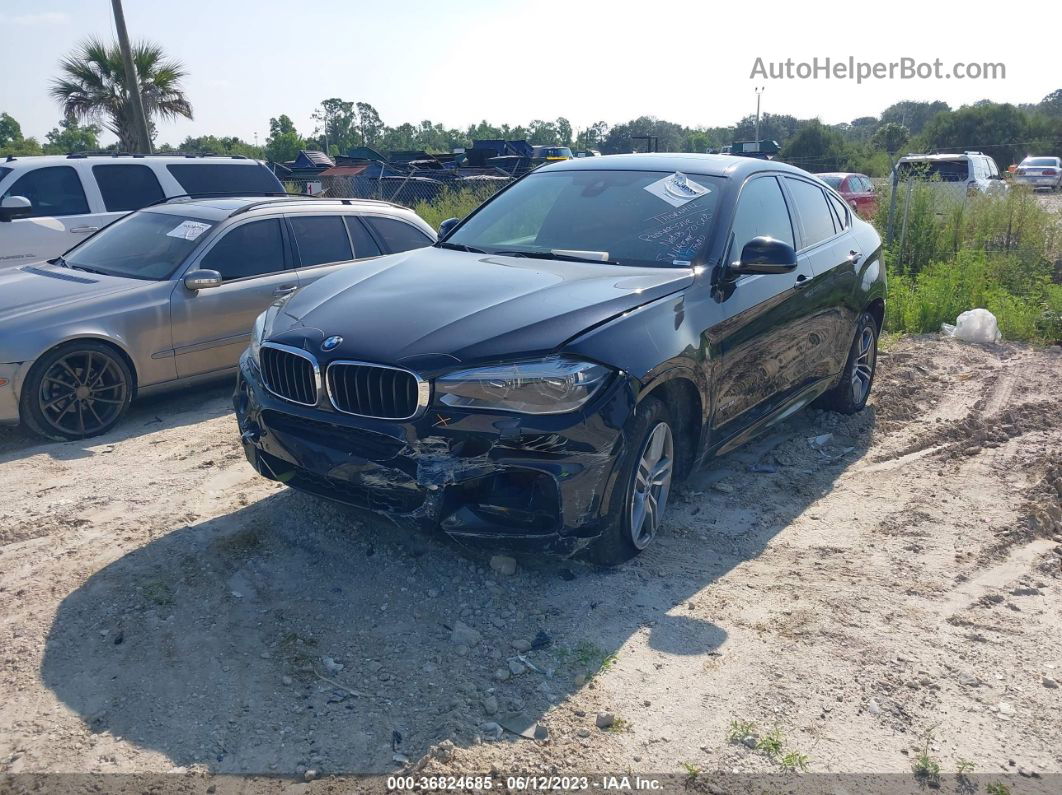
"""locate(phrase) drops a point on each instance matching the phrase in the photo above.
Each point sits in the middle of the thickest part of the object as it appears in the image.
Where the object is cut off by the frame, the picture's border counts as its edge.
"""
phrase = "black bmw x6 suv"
(594, 331)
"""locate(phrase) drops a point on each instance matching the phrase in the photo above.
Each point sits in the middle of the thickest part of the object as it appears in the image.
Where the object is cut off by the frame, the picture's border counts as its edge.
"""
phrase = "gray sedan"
(166, 297)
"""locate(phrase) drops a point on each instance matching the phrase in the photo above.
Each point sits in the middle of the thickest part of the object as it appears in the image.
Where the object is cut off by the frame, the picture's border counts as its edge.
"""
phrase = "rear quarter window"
(221, 178)
(397, 235)
(815, 214)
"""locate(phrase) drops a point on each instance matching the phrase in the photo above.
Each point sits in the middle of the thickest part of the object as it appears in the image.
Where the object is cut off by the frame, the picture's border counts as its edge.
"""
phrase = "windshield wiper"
(460, 247)
(84, 268)
(555, 256)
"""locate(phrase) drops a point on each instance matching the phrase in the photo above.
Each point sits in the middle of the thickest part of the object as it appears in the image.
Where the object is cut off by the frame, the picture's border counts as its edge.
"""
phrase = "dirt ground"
(861, 597)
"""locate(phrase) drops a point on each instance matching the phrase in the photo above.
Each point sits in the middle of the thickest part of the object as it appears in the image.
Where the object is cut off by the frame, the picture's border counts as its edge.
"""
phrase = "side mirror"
(14, 207)
(765, 255)
(202, 280)
(447, 226)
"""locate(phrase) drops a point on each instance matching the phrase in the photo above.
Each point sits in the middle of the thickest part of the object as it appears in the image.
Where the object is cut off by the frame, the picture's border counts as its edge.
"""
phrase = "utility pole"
(759, 91)
(132, 80)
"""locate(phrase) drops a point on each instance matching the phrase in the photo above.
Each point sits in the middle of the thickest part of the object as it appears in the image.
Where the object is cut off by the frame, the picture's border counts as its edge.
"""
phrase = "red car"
(856, 189)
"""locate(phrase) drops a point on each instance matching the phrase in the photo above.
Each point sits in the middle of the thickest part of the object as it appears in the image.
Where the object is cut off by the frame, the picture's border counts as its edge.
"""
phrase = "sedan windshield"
(832, 180)
(143, 245)
(641, 218)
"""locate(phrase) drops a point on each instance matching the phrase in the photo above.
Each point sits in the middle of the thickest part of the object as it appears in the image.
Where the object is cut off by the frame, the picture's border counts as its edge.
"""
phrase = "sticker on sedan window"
(677, 189)
(188, 230)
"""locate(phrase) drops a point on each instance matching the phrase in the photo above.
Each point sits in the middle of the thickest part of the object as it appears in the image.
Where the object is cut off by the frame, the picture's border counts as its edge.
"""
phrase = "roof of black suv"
(712, 165)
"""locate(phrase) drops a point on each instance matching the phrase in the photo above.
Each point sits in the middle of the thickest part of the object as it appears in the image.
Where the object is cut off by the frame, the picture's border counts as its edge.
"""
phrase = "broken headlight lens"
(547, 386)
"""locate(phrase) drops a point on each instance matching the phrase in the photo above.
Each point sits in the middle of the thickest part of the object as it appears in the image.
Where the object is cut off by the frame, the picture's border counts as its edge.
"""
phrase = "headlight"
(257, 333)
(548, 386)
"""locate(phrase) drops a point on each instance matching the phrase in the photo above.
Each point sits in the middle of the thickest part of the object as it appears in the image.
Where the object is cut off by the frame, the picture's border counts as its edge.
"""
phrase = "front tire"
(76, 391)
(851, 393)
(646, 475)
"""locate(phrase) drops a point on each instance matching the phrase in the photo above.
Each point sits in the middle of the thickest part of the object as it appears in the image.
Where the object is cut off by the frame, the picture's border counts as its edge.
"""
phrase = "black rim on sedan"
(82, 393)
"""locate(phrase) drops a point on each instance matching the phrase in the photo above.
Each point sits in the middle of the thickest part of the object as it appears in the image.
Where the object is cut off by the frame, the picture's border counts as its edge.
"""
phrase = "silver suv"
(168, 295)
(954, 175)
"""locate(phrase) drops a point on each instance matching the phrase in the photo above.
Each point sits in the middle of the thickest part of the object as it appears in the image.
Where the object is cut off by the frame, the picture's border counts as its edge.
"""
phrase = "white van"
(47, 204)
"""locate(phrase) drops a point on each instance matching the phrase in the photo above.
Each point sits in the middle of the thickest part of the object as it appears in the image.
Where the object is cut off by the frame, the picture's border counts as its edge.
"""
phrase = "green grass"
(794, 761)
(453, 204)
(964, 766)
(1026, 303)
(997, 788)
(926, 767)
(739, 730)
(993, 252)
(772, 743)
(692, 771)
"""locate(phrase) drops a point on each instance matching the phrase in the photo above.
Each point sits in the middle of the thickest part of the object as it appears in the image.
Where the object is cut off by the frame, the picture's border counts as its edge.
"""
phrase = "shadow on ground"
(185, 406)
(208, 644)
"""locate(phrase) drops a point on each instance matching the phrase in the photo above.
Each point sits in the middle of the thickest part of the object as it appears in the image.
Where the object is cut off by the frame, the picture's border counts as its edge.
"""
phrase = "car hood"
(34, 288)
(437, 305)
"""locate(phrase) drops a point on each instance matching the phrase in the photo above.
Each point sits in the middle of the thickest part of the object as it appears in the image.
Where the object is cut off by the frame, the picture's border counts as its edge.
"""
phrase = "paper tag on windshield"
(188, 230)
(677, 189)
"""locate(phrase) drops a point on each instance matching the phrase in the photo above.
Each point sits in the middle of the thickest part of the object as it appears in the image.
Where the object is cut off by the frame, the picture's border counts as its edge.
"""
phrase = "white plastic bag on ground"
(975, 325)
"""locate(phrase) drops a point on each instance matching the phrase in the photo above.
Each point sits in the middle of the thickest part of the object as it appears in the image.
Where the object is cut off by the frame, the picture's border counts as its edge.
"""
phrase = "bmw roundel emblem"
(331, 343)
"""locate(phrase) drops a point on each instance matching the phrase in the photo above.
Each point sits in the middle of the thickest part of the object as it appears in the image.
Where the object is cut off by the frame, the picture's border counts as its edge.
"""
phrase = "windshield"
(642, 218)
(942, 170)
(832, 180)
(1040, 161)
(143, 245)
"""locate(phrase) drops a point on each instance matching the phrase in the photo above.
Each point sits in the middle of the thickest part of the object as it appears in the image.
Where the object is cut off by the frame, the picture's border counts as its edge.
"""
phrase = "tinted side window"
(225, 178)
(397, 235)
(364, 245)
(993, 170)
(841, 209)
(761, 210)
(253, 249)
(55, 190)
(814, 211)
(127, 187)
(320, 239)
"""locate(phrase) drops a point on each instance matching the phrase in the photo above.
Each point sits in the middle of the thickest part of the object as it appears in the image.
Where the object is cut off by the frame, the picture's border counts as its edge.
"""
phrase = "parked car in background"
(543, 374)
(856, 189)
(167, 295)
(550, 154)
(1040, 172)
(954, 176)
(49, 203)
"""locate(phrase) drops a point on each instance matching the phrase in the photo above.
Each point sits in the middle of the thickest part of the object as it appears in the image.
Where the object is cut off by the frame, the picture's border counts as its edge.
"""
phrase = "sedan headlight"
(547, 386)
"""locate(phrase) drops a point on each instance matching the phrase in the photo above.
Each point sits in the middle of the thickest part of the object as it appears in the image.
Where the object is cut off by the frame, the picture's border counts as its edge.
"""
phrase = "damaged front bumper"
(519, 481)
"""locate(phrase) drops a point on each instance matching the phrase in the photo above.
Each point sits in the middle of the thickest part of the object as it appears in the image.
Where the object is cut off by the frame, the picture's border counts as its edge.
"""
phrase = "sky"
(462, 61)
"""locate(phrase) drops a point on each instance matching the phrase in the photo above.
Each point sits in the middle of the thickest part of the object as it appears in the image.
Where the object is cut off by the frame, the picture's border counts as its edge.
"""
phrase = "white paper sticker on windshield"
(188, 230)
(677, 189)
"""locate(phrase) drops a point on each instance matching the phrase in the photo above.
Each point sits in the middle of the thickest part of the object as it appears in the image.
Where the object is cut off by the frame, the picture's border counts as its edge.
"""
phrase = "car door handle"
(81, 230)
(802, 281)
(285, 289)
(854, 257)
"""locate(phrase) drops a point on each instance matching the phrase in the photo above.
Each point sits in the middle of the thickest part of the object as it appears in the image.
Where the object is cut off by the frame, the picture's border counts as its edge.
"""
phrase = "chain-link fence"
(413, 189)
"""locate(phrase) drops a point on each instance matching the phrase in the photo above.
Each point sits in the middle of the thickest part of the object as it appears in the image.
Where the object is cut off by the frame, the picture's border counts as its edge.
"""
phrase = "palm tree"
(92, 87)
